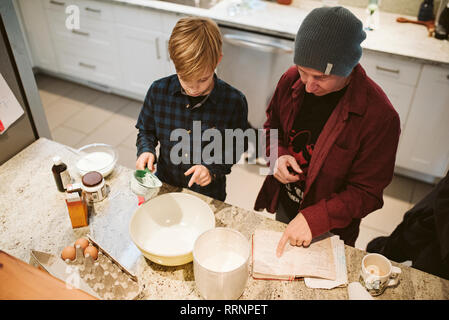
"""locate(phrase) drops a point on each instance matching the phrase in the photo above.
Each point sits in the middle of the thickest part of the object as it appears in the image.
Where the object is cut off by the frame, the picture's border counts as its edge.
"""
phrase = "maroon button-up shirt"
(353, 159)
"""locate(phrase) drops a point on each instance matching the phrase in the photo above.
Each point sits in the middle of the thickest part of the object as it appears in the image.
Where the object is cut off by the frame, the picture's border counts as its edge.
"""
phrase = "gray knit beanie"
(328, 40)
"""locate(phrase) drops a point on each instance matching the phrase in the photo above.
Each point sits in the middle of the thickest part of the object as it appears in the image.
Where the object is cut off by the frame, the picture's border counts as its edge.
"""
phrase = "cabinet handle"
(253, 43)
(168, 53)
(93, 10)
(388, 70)
(158, 53)
(447, 77)
(58, 3)
(82, 33)
(85, 65)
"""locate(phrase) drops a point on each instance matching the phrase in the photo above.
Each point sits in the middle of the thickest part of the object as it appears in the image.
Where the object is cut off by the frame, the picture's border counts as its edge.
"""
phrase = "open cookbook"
(322, 260)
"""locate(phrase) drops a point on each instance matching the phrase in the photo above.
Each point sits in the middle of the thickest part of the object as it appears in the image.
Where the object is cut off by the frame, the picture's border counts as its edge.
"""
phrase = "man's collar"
(356, 93)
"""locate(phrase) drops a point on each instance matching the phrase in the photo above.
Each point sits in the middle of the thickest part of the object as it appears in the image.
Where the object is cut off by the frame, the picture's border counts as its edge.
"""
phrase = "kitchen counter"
(33, 215)
(403, 39)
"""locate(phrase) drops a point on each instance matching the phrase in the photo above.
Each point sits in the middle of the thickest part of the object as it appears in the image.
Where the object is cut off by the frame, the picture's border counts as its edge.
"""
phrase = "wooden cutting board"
(21, 281)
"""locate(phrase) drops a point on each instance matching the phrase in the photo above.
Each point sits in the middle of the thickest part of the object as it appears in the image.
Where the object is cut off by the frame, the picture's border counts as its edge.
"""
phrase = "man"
(338, 134)
(423, 235)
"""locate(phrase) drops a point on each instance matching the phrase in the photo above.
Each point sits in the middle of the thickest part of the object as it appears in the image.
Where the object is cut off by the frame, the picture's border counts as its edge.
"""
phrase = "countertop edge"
(209, 13)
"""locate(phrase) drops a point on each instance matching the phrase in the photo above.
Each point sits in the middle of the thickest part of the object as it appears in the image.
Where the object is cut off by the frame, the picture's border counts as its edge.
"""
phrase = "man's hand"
(144, 160)
(201, 175)
(297, 233)
(281, 172)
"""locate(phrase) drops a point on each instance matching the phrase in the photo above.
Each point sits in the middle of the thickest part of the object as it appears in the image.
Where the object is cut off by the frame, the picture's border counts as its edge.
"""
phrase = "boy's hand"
(282, 172)
(144, 160)
(298, 233)
(201, 175)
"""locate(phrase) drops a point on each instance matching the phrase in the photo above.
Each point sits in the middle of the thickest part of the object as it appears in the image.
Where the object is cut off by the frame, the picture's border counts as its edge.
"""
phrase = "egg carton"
(104, 275)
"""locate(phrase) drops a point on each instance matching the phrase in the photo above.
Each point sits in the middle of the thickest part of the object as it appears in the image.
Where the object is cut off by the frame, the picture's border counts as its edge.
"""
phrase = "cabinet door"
(400, 97)
(424, 145)
(90, 52)
(397, 77)
(169, 66)
(142, 57)
(38, 34)
(169, 22)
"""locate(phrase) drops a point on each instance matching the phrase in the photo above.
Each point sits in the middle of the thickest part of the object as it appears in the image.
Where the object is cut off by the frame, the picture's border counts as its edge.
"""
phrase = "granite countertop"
(403, 39)
(33, 215)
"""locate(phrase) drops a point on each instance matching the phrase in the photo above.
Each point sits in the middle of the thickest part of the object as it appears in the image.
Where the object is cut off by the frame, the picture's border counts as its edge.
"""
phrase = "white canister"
(220, 263)
(94, 186)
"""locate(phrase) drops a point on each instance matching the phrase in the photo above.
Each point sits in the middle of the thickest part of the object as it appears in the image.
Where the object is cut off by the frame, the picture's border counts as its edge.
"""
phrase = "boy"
(194, 93)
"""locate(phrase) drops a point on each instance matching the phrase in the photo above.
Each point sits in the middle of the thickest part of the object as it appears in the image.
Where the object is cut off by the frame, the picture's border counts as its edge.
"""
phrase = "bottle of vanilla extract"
(61, 174)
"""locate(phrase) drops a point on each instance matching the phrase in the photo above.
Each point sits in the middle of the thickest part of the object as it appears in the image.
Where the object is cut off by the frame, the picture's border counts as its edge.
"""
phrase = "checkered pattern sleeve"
(146, 138)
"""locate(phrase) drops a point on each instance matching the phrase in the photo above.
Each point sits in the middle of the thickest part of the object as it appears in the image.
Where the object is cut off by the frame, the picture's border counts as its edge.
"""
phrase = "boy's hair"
(195, 47)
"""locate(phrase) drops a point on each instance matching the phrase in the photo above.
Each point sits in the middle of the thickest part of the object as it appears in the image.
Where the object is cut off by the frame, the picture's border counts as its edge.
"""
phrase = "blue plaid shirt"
(166, 108)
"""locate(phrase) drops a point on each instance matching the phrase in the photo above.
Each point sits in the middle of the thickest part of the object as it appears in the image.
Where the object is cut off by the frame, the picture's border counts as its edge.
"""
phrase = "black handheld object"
(442, 28)
(291, 171)
(426, 11)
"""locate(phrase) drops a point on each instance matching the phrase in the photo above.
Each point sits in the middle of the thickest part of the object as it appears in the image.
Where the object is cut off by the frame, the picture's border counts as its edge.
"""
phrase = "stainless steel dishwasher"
(253, 63)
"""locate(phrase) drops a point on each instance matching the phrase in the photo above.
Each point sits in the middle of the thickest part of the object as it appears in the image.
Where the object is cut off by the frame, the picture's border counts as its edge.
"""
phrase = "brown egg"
(83, 242)
(68, 253)
(92, 251)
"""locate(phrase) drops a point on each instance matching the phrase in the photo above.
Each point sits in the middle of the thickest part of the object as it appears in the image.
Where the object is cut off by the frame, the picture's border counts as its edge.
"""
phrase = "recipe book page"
(340, 268)
(317, 260)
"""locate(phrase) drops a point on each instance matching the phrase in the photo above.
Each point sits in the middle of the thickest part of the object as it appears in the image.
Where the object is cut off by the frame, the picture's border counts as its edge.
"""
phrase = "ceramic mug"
(377, 273)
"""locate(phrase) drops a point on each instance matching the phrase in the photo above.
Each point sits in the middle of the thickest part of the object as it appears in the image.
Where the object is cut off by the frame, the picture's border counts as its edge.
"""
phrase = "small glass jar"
(94, 186)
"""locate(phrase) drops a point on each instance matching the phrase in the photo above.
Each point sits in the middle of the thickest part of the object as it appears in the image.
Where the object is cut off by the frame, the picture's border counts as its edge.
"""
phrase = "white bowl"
(141, 189)
(166, 227)
(98, 157)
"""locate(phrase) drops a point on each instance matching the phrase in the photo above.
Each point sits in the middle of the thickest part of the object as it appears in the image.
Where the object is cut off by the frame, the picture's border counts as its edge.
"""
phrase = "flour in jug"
(223, 261)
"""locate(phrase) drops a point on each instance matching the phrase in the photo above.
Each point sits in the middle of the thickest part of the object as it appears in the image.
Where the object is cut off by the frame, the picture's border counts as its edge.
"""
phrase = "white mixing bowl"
(165, 228)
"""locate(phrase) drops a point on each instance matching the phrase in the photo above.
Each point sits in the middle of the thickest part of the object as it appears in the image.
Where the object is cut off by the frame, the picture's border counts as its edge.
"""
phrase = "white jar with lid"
(94, 186)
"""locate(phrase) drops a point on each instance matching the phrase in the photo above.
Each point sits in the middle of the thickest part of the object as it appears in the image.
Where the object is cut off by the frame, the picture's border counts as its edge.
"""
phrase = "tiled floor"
(79, 115)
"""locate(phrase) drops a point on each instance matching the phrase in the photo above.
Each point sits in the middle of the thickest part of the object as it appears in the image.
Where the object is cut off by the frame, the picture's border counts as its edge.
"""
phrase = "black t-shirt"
(193, 101)
(313, 115)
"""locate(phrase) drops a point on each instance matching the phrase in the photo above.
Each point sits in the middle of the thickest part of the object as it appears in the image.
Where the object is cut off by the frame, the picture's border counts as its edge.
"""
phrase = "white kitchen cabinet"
(38, 34)
(169, 22)
(143, 45)
(87, 8)
(89, 52)
(397, 77)
(420, 94)
(142, 56)
(169, 66)
(424, 145)
(120, 46)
